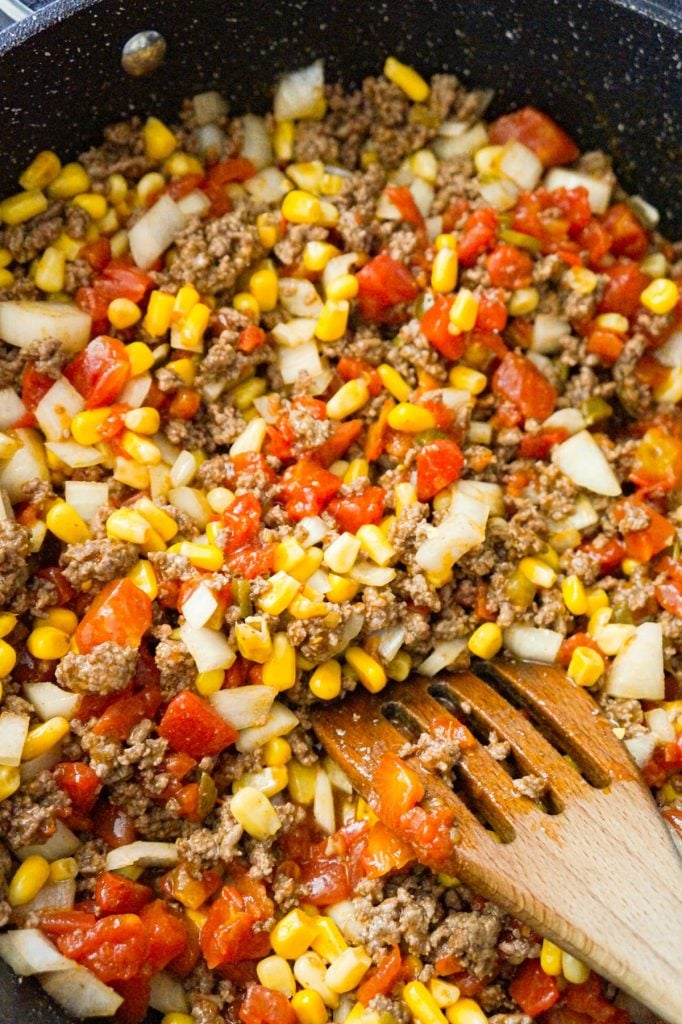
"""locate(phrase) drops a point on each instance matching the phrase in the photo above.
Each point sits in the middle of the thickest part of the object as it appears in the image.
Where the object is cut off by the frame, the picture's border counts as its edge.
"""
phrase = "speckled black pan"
(610, 72)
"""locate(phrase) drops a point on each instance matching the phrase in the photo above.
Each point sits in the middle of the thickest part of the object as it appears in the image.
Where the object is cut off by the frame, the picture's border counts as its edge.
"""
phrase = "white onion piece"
(256, 145)
(134, 391)
(269, 185)
(532, 643)
(444, 654)
(312, 530)
(143, 854)
(371, 575)
(571, 420)
(28, 951)
(209, 648)
(11, 408)
(660, 725)
(299, 297)
(159, 481)
(583, 515)
(386, 210)
(337, 776)
(169, 451)
(86, 496)
(167, 995)
(323, 803)
(462, 529)
(244, 707)
(267, 407)
(210, 140)
(338, 266)
(598, 189)
(23, 321)
(448, 145)
(670, 353)
(183, 469)
(299, 93)
(637, 669)
(80, 993)
(548, 330)
(13, 733)
(50, 701)
(490, 494)
(52, 896)
(199, 606)
(434, 227)
(193, 502)
(62, 843)
(344, 916)
(521, 164)
(583, 462)
(155, 231)
(209, 106)
(75, 455)
(28, 462)
(319, 582)
(501, 195)
(57, 408)
(423, 194)
(391, 639)
(641, 748)
(279, 722)
(29, 770)
(194, 204)
(295, 332)
(303, 358)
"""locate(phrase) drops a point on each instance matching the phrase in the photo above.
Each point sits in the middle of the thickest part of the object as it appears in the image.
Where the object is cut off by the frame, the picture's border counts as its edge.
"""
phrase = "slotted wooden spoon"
(600, 876)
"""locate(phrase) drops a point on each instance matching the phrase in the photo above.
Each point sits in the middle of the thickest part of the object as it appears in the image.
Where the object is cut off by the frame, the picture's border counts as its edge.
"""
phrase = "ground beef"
(206, 847)
(437, 752)
(5, 875)
(15, 547)
(26, 241)
(223, 364)
(455, 179)
(91, 859)
(289, 249)
(532, 786)
(48, 354)
(97, 562)
(405, 918)
(28, 816)
(177, 668)
(106, 669)
(121, 153)
(635, 396)
(379, 607)
(472, 937)
(319, 639)
(510, 1018)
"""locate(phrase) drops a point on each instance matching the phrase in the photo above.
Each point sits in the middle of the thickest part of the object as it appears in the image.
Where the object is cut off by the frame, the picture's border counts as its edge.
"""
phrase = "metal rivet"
(143, 53)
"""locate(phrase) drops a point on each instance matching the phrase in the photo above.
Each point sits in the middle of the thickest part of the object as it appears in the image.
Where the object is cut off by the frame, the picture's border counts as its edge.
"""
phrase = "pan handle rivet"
(143, 53)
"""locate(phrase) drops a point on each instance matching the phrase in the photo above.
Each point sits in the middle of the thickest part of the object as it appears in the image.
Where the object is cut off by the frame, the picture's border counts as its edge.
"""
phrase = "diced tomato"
(63, 922)
(34, 386)
(184, 404)
(657, 463)
(251, 338)
(121, 613)
(250, 463)
(588, 999)
(478, 236)
(628, 237)
(113, 825)
(221, 175)
(80, 782)
(539, 132)
(192, 892)
(609, 555)
(228, 935)
(403, 200)
(605, 344)
(669, 596)
(115, 894)
(97, 253)
(90, 301)
(643, 544)
(252, 560)
(181, 187)
(534, 990)
(539, 446)
(430, 833)
(378, 431)
(136, 993)
(99, 372)
(385, 852)
(381, 980)
(439, 463)
(665, 761)
(336, 446)
(266, 1006)
(166, 934)
(120, 717)
(625, 284)
(307, 488)
(122, 280)
(398, 788)
(518, 381)
(325, 881)
(596, 241)
(115, 948)
(492, 313)
(241, 521)
(435, 325)
(509, 267)
(190, 725)
(383, 282)
(357, 510)
(349, 368)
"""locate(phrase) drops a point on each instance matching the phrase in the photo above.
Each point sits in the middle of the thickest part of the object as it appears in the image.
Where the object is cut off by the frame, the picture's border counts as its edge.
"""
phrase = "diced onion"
(443, 655)
(50, 701)
(56, 409)
(244, 707)
(670, 353)
(323, 803)
(86, 497)
(267, 408)
(660, 725)
(644, 211)
(313, 529)
(462, 529)
(434, 227)
(337, 776)
(423, 194)
(338, 266)
(52, 896)
(256, 145)
(548, 330)
(134, 392)
(268, 186)
(209, 106)
(62, 843)
(80, 993)
(24, 321)
(143, 854)
(641, 748)
(28, 951)
(199, 606)
(570, 420)
(391, 639)
(26, 463)
(490, 494)
(210, 140)
(193, 502)
(29, 770)
(75, 455)
(209, 648)
(167, 995)
(194, 204)
(521, 164)
(155, 231)
(11, 408)
(295, 332)
(371, 575)
(280, 721)
(583, 462)
(299, 93)
(464, 143)
(501, 194)
(344, 916)
(637, 670)
(584, 514)
(598, 189)
(532, 643)
(183, 470)
(294, 361)
(13, 732)
(299, 297)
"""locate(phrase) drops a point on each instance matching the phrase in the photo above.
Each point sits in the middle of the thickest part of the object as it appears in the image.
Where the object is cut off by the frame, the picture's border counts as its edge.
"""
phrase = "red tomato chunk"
(192, 726)
(121, 613)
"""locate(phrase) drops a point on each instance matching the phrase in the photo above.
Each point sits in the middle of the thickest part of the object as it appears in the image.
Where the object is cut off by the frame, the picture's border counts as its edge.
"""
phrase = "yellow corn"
(400, 667)
(341, 589)
(145, 420)
(210, 682)
(307, 176)
(72, 179)
(177, 1018)
(246, 303)
(159, 313)
(342, 553)
(586, 666)
(7, 623)
(159, 141)
(311, 561)
(276, 752)
(410, 418)
(487, 160)
(574, 970)
(583, 281)
(537, 571)
(421, 1004)
(64, 522)
(328, 943)
(283, 140)
(264, 286)
(302, 783)
(10, 780)
(180, 164)
(444, 270)
(466, 1011)
(274, 972)
(348, 969)
(161, 521)
(61, 618)
(598, 619)
(405, 494)
(464, 378)
(127, 524)
(615, 322)
(597, 598)
(304, 606)
(48, 643)
(443, 992)
(143, 576)
(268, 232)
(464, 310)
(253, 639)
(279, 671)
(661, 296)
(368, 670)
(325, 682)
(316, 255)
(6, 278)
(85, 426)
(423, 163)
(44, 737)
(6, 257)
(268, 781)
(522, 301)
(185, 300)
(349, 399)
(331, 184)
(140, 449)
(486, 641)
(656, 265)
(202, 556)
(331, 324)
(281, 591)
(288, 553)
(550, 958)
(574, 595)
(293, 934)
(93, 203)
(184, 368)
(407, 79)
(329, 214)
(43, 169)
(309, 971)
(254, 812)
(396, 385)
(50, 270)
(309, 1007)
(358, 469)
(374, 544)
(123, 313)
(63, 869)
(28, 880)
(117, 188)
(22, 207)
(629, 565)
(343, 287)
(301, 207)
(191, 333)
(140, 357)
(8, 658)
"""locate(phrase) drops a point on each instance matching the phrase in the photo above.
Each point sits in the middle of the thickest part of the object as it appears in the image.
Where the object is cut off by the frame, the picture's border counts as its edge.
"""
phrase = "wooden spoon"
(599, 875)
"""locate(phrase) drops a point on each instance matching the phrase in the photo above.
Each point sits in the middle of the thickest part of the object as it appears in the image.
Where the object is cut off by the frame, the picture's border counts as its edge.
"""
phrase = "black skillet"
(608, 70)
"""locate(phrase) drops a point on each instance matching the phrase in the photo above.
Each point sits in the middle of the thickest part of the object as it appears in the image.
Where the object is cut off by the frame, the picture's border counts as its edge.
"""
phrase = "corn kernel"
(123, 313)
(254, 812)
(349, 399)
(6, 278)
(253, 639)
(264, 286)
(329, 943)
(466, 1011)
(411, 418)
(407, 79)
(306, 176)
(180, 164)
(342, 553)
(50, 270)
(332, 323)
(316, 255)
(281, 591)
(310, 971)
(268, 781)
(343, 287)
(537, 571)
(190, 333)
(7, 623)
(341, 589)
(655, 265)
(550, 958)
(574, 970)
(597, 598)
(184, 368)
(464, 378)
(615, 322)
(276, 752)
(443, 992)
(348, 969)
(583, 281)
(661, 296)
(28, 880)
(48, 643)
(279, 671)
(143, 576)
(210, 682)
(93, 203)
(421, 1004)
(486, 641)
(10, 780)
(159, 141)
(43, 169)
(404, 494)
(246, 303)
(129, 525)
(6, 257)
(331, 184)
(44, 737)
(358, 469)
(72, 179)
(274, 972)
(268, 232)
(140, 449)
(302, 783)
(64, 869)
(203, 556)
(586, 666)
(574, 595)
(22, 207)
(299, 207)
(185, 299)
(400, 667)
(487, 160)
(64, 522)
(309, 1007)
(374, 544)
(394, 383)
(424, 164)
(131, 473)
(523, 301)
(8, 658)
(369, 671)
(464, 310)
(444, 270)
(307, 606)
(159, 313)
(293, 934)
(325, 682)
